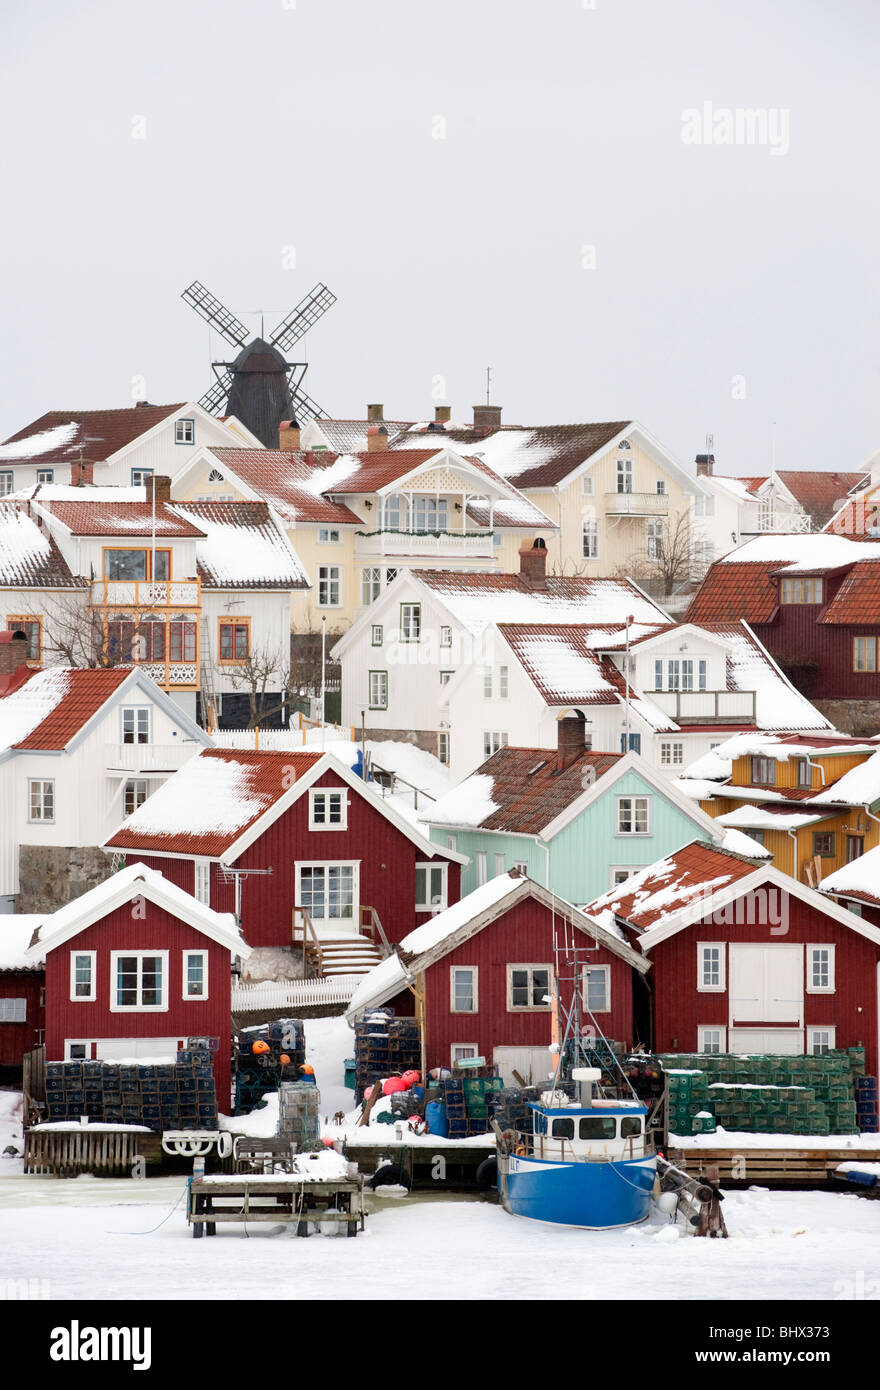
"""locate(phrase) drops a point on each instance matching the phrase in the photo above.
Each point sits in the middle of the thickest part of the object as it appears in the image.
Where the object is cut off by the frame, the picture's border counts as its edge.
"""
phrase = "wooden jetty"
(66, 1153)
(444, 1165)
(790, 1167)
(246, 1198)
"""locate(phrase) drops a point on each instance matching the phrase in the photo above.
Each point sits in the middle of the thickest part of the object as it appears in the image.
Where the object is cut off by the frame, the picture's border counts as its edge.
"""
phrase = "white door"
(534, 1064)
(787, 1041)
(766, 998)
(115, 1049)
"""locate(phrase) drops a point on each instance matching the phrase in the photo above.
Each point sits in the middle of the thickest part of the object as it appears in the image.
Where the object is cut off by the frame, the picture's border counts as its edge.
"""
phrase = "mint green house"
(575, 821)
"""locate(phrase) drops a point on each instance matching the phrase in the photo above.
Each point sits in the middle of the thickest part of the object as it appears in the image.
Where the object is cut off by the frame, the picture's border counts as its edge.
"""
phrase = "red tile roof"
(563, 664)
(350, 436)
(733, 590)
(121, 519)
(558, 449)
(243, 547)
(858, 598)
(209, 804)
(288, 481)
(528, 791)
(99, 434)
(671, 884)
(29, 558)
(819, 492)
(77, 693)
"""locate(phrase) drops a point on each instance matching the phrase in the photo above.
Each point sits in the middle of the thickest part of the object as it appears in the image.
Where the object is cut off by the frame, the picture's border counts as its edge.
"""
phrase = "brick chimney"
(487, 418)
(375, 412)
(81, 473)
(13, 652)
(571, 740)
(705, 465)
(442, 414)
(288, 435)
(161, 488)
(377, 437)
(533, 564)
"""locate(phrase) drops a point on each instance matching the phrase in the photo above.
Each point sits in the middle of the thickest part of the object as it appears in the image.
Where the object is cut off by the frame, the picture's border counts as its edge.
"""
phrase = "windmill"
(259, 387)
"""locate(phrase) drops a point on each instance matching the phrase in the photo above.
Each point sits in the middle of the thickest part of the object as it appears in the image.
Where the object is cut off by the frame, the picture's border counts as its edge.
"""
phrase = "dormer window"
(763, 772)
(801, 591)
(184, 431)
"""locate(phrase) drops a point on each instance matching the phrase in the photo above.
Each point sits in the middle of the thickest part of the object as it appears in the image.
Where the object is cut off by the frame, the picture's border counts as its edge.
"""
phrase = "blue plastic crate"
(186, 1084)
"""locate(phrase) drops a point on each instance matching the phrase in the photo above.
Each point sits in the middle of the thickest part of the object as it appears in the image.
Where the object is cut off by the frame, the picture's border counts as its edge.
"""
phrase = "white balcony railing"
(145, 594)
(706, 706)
(446, 544)
(149, 757)
(636, 504)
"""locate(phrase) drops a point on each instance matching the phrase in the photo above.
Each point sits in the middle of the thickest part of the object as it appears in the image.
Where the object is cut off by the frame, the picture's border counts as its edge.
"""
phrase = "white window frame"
(460, 1052)
(669, 748)
(42, 782)
(375, 704)
(410, 622)
(329, 535)
(377, 635)
(185, 430)
(316, 794)
(135, 782)
(116, 1008)
(590, 539)
(371, 584)
(530, 966)
(500, 867)
(655, 532)
(493, 741)
(474, 974)
(703, 1029)
(481, 860)
(606, 971)
(194, 998)
(721, 948)
(587, 485)
(7, 482)
(430, 867)
(11, 1014)
(661, 487)
(451, 842)
(202, 881)
(445, 636)
(45, 475)
(830, 1029)
(330, 576)
(87, 1043)
(443, 747)
(503, 682)
(137, 712)
(812, 988)
(354, 865)
(93, 977)
(634, 834)
(522, 867)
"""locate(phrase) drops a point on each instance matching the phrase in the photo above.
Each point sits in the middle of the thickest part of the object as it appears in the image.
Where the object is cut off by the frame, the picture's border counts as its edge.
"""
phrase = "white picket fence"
(292, 994)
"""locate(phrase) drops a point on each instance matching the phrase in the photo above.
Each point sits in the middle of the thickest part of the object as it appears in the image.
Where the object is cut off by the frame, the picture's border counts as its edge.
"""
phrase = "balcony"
(706, 706)
(145, 594)
(636, 504)
(144, 758)
(446, 545)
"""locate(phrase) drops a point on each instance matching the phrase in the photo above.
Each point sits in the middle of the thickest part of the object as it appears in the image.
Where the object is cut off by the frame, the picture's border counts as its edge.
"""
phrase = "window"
(429, 514)
(820, 969)
(446, 637)
(136, 725)
(801, 590)
(184, 431)
(599, 1127)
(633, 815)
(763, 772)
(329, 586)
(195, 974)
(487, 682)
(820, 1041)
(710, 967)
(823, 843)
(446, 677)
(410, 622)
(328, 535)
(527, 985)
(493, 739)
(590, 534)
(855, 848)
(521, 867)
(671, 754)
(461, 1052)
(711, 1039)
(661, 487)
(134, 795)
(482, 862)
(139, 476)
(371, 584)
(234, 640)
(32, 629)
(125, 564)
(564, 1129)
(83, 985)
(624, 474)
(182, 643)
(587, 487)
(654, 540)
(431, 887)
(597, 989)
(503, 682)
(377, 635)
(634, 740)
(215, 476)
(804, 773)
(138, 981)
(13, 1011)
(499, 865)
(620, 873)
(443, 748)
(450, 842)
(327, 891)
(6, 483)
(864, 653)
(463, 989)
(678, 673)
(704, 506)
(45, 475)
(202, 881)
(378, 690)
(756, 835)
(328, 808)
(41, 798)
(497, 539)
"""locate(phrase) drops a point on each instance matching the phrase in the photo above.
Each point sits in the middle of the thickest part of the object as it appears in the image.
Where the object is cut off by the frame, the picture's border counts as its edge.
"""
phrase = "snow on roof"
(763, 818)
(777, 704)
(563, 669)
(860, 877)
(62, 436)
(519, 511)
(712, 765)
(87, 492)
(803, 553)
(738, 843)
(468, 804)
(49, 707)
(26, 708)
(283, 479)
(477, 600)
(697, 788)
(675, 882)
(85, 516)
(431, 933)
(324, 479)
(243, 546)
(384, 980)
(860, 786)
(743, 489)
(43, 442)
(16, 933)
(29, 558)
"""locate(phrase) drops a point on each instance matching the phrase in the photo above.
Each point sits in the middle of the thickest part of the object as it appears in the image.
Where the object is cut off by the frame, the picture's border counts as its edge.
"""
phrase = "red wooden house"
(134, 967)
(746, 959)
(22, 980)
(812, 600)
(262, 833)
(485, 966)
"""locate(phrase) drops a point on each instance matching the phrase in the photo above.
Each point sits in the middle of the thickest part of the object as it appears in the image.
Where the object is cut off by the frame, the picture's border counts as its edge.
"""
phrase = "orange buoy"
(260, 1047)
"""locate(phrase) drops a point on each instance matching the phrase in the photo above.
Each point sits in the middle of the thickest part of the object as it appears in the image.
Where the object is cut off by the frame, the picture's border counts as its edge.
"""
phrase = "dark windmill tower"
(259, 386)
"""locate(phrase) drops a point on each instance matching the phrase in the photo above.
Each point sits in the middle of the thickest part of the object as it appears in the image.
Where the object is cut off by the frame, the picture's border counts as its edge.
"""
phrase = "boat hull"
(596, 1196)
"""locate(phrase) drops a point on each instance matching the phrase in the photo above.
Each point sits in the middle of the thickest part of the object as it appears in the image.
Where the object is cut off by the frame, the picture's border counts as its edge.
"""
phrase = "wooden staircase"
(352, 956)
(346, 955)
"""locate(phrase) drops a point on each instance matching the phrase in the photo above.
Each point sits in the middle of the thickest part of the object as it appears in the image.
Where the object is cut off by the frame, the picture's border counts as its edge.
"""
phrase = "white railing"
(470, 545)
(149, 757)
(179, 672)
(284, 994)
(636, 503)
(142, 593)
(710, 705)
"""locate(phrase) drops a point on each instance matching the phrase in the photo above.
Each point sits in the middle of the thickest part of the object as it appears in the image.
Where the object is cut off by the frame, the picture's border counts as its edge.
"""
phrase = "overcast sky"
(481, 182)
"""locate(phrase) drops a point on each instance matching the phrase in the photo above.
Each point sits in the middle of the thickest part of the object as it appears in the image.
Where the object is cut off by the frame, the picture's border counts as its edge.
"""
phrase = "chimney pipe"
(377, 438)
(13, 652)
(161, 488)
(533, 563)
(705, 465)
(289, 436)
(487, 419)
(375, 412)
(571, 740)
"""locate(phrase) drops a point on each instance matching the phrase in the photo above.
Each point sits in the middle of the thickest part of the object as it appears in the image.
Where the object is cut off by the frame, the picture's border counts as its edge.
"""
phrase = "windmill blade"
(304, 408)
(216, 395)
(216, 314)
(303, 317)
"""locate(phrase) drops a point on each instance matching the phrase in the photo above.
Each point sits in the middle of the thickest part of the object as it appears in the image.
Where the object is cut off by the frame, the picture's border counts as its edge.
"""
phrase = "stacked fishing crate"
(765, 1094)
(298, 1115)
(866, 1103)
(159, 1095)
(384, 1046)
(477, 1093)
(509, 1107)
(258, 1072)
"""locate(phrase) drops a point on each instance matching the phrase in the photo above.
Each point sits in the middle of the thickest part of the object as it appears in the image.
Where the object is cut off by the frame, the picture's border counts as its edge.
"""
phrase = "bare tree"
(668, 558)
(265, 677)
(73, 632)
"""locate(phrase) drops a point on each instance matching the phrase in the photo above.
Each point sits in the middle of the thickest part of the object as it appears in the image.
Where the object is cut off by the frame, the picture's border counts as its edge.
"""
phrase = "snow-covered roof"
(16, 932)
(243, 547)
(65, 436)
(803, 553)
(738, 843)
(860, 786)
(860, 879)
(477, 600)
(770, 818)
(662, 889)
(468, 804)
(29, 558)
(134, 881)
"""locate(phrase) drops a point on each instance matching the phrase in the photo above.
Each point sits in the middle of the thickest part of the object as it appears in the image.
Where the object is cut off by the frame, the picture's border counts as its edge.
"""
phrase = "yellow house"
(811, 800)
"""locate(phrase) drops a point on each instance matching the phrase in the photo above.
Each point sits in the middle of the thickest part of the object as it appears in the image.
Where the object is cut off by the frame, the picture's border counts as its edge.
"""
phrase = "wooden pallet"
(284, 1199)
(804, 1167)
(66, 1153)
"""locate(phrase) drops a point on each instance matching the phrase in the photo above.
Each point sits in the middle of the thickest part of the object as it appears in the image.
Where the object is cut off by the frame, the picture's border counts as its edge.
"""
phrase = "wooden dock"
(444, 1165)
(278, 1198)
(66, 1153)
(794, 1167)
